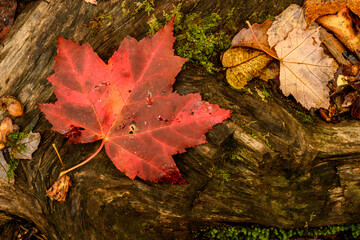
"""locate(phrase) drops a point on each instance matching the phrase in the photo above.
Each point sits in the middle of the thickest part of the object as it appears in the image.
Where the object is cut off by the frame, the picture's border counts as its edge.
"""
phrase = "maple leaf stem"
(85, 161)
(58, 154)
(257, 41)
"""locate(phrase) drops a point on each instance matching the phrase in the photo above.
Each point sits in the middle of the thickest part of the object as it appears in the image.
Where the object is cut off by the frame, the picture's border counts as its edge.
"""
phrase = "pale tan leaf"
(4, 166)
(31, 142)
(243, 64)
(305, 70)
(291, 18)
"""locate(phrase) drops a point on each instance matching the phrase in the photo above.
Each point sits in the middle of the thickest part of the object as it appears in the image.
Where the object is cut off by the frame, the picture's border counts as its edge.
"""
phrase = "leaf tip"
(174, 178)
(170, 26)
(61, 39)
(172, 175)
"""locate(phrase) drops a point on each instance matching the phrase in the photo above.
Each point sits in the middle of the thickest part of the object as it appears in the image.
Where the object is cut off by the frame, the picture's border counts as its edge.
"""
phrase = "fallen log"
(269, 164)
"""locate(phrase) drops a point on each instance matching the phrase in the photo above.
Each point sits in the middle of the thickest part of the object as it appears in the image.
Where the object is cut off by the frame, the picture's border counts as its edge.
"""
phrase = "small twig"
(257, 41)
(33, 233)
(57, 152)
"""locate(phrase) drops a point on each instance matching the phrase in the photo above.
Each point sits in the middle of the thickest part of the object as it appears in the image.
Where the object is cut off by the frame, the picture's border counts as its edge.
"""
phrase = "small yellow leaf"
(341, 80)
(243, 64)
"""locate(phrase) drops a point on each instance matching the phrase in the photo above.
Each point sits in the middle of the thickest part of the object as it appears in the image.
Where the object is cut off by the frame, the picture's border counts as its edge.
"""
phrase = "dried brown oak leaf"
(59, 189)
(318, 8)
(243, 64)
(246, 39)
(304, 68)
(342, 26)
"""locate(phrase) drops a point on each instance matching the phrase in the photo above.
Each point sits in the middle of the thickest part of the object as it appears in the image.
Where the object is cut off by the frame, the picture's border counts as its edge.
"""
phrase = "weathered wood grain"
(264, 165)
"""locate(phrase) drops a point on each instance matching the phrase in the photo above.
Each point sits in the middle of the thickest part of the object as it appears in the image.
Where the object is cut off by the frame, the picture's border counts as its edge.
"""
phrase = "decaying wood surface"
(264, 165)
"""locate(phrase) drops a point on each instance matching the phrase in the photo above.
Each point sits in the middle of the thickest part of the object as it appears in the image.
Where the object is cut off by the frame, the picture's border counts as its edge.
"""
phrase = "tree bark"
(264, 165)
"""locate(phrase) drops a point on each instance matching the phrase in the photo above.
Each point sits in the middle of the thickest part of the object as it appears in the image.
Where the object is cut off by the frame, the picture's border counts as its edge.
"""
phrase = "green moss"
(305, 118)
(146, 5)
(265, 93)
(312, 216)
(123, 9)
(271, 17)
(240, 155)
(13, 138)
(263, 138)
(230, 16)
(256, 232)
(261, 18)
(14, 143)
(235, 156)
(96, 22)
(154, 25)
(222, 175)
(262, 93)
(176, 11)
(13, 164)
(253, 134)
(197, 38)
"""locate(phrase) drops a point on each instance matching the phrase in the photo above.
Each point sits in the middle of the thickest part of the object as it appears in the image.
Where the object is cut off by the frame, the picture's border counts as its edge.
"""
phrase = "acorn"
(12, 105)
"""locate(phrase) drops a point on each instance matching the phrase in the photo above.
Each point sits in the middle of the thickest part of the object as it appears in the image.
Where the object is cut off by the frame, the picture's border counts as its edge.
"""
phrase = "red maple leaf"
(130, 105)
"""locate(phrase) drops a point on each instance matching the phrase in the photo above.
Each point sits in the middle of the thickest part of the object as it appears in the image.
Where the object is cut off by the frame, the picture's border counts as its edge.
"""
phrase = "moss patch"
(197, 38)
(197, 41)
(96, 22)
(124, 10)
(146, 5)
(262, 93)
(256, 232)
(303, 117)
(220, 174)
(14, 143)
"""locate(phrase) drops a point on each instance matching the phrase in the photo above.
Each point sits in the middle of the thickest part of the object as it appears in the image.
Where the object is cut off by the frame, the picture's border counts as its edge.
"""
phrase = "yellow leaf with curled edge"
(243, 64)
